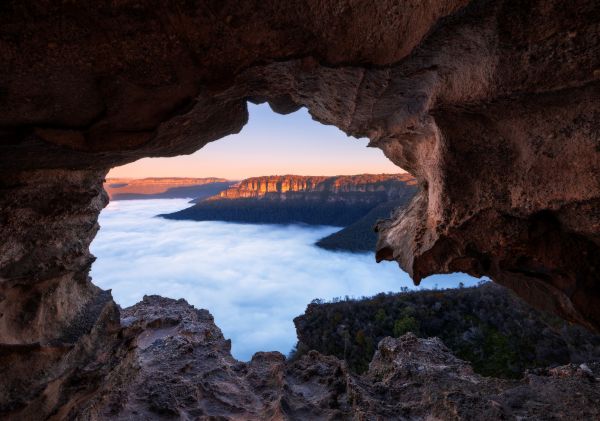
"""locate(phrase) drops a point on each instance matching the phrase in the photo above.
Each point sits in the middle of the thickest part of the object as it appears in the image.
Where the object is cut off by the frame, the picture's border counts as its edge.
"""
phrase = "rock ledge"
(179, 365)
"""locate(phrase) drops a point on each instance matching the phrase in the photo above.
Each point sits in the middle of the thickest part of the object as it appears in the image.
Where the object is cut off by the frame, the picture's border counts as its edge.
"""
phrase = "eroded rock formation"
(180, 366)
(164, 187)
(316, 200)
(279, 186)
(492, 105)
(57, 330)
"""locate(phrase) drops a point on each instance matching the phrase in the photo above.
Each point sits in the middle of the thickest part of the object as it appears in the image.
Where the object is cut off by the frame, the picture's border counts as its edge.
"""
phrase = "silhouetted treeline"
(487, 325)
(356, 215)
(259, 211)
(360, 235)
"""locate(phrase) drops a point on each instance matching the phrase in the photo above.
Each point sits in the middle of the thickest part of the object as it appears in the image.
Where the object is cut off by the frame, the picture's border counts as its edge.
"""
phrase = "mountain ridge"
(272, 185)
(316, 200)
(164, 187)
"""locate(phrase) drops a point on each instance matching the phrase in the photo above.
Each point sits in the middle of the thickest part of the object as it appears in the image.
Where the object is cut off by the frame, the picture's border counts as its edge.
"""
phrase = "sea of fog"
(254, 279)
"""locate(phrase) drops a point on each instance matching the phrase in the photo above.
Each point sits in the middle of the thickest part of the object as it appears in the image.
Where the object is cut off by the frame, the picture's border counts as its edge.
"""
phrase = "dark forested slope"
(355, 202)
(165, 188)
(486, 325)
(258, 211)
(360, 235)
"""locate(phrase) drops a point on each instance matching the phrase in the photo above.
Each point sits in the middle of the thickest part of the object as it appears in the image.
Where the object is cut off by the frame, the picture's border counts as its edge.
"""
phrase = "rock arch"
(493, 106)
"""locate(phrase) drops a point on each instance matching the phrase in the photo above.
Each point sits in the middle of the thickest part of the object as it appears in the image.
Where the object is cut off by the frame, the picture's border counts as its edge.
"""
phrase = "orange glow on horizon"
(270, 144)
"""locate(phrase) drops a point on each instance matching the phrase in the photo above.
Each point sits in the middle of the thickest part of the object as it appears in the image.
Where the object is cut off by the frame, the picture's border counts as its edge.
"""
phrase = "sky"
(270, 144)
(254, 279)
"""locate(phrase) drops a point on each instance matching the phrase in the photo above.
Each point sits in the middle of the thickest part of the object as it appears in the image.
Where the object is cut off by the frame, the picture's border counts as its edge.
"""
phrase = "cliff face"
(156, 188)
(338, 201)
(287, 187)
(491, 105)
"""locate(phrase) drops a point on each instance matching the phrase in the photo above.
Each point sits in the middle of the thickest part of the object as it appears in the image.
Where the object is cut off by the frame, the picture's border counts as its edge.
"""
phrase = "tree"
(380, 316)
(404, 325)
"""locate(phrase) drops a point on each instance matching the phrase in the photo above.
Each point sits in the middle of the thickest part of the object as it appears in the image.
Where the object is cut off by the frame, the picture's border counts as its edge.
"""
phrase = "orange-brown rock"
(315, 200)
(278, 186)
(161, 187)
(492, 105)
(179, 366)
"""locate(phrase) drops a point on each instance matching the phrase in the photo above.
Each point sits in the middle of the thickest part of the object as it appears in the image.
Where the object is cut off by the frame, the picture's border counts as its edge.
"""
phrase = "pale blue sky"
(270, 144)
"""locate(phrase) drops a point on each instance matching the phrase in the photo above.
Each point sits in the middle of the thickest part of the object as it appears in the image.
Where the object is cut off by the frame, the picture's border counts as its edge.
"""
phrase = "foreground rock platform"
(177, 365)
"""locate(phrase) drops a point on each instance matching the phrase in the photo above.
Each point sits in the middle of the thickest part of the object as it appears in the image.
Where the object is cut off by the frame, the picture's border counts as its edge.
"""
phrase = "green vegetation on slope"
(487, 325)
(360, 236)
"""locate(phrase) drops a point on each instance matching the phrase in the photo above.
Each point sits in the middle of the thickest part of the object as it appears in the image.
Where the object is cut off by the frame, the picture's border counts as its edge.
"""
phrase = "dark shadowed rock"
(493, 106)
(181, 367)
(315, 200)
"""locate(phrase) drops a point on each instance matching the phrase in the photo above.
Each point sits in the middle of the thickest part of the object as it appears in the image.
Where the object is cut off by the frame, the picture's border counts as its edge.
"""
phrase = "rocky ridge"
(315, 200)
(164, 187)
(491, 105)
(179, 366)
(289, 187)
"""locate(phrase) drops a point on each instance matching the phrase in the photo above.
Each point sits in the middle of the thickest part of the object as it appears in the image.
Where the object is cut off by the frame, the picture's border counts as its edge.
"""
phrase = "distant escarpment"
(165, 188)
(493, 105)
(488, 326)
(355, 202)
(343, 188)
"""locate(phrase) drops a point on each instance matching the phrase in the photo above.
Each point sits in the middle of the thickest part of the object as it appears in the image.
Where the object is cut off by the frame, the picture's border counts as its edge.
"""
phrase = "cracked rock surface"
(493, 106)
(180, 366)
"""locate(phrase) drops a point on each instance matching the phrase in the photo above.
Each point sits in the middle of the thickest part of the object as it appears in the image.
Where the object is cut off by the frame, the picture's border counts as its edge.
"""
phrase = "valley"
(354, 202)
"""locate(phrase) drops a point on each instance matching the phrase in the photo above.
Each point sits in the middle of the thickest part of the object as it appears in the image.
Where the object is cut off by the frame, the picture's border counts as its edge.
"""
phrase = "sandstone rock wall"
(57, 329)
(181, 367)
(290, 186)
(492, 105)
(156, 187)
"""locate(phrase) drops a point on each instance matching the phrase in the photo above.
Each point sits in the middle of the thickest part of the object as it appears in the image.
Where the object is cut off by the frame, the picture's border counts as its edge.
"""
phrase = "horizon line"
(253, 176)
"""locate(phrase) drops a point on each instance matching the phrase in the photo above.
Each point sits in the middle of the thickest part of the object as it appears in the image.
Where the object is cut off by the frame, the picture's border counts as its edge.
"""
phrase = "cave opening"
(255, 274)
(493, 106)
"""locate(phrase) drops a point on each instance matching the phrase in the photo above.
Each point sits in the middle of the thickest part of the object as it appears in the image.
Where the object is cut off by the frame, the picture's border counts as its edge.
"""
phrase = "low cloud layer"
(254, 279)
